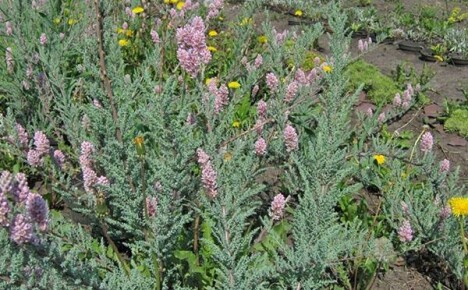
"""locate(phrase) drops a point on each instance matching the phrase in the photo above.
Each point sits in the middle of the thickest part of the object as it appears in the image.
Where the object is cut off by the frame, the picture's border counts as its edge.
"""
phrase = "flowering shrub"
(173, 150)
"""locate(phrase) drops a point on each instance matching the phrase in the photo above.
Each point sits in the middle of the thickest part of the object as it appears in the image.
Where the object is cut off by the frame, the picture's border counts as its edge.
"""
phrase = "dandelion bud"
(139, 142)
(125, 26)
(277, 207)
(426, 142)
(290, 138)
(444, 166)
(405, 232)
(260, 147)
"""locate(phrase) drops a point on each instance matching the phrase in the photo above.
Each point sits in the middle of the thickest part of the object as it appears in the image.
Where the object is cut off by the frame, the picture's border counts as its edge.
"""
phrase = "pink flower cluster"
(192, 51)
(208, 174)
(42, 147)
(221, 95)
(291, 91)
(277, 207)
(291, 139)
(427, 141)
(272, 82)
(305, 80)
(31, 209)
(9, 59)
(151, 206)
(260, 147)
(405, 232)
(214, 8)
(444, 166)
(90, 177)
(363, 44)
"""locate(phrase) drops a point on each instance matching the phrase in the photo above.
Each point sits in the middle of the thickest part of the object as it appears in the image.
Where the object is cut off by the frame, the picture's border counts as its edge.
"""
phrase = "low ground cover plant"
(156, 145)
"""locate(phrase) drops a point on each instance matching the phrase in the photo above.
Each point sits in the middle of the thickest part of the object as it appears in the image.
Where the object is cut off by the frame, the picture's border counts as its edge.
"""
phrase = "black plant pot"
(457, 59)
(427, 55)
(408, 45)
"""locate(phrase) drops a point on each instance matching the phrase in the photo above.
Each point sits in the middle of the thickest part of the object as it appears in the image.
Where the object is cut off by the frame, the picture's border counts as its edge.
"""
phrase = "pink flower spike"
(444, 166)
(277, 207)
(260, 147)
(291, 139)
(427, 141)
(405, 232)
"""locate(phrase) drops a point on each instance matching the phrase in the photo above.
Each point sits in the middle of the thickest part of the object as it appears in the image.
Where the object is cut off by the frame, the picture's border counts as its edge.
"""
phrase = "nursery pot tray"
(458, 60)
(410, 46)
(426, 54)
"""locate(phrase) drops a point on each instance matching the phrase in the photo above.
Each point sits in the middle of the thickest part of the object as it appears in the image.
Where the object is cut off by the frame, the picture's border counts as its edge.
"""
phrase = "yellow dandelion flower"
(208, 81)
(438, 58)
(227, 156)
(459, 206)
(234, 85)
(120, 30)
(129, 33)
(236, 124)
(212, 48)
(57, 20)
(212, 33)
(72, 21)
(166, 1)
(138, 10)
(174, 1)
(298, 13)
(221, 18)
(124, 42)
(327, 68)
(262, 39)
(379, 158)
(180, 5)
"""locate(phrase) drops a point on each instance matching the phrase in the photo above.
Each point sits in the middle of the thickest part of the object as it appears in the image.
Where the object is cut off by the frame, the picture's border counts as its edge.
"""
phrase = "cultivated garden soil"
(412, 272)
